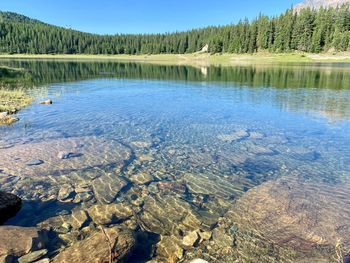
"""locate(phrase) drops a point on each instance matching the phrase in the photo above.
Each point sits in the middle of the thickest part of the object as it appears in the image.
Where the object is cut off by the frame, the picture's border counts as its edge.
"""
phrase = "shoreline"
(198, 59)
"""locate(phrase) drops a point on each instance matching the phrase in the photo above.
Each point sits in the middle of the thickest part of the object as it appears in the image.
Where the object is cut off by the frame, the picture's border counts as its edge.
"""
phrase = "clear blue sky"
(142, 16)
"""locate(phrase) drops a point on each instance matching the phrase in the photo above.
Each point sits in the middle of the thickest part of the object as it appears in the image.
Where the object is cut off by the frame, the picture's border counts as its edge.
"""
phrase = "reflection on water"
(201, 163)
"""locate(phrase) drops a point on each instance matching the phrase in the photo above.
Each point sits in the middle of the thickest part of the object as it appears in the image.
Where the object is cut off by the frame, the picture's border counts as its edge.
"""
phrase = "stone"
(110, 214)
(46, 102)
(44, 260)
(31, 239)
(79, 219)
(33, 256)
(3, 114)
(169, 248)
(66, 193)
(103, 245)
(34, 162)
(205, 235)
(191, 239)
(212, 185)
(10, 204)
(141, 178)
(296, 214)
(235, 136)
(107, 187)
(256, 135)
(82, 197)
(65, 155)
(198, 260)
(141, 144)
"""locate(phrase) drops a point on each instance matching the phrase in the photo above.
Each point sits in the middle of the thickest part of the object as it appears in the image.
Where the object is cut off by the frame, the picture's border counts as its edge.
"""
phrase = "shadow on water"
(34, 212)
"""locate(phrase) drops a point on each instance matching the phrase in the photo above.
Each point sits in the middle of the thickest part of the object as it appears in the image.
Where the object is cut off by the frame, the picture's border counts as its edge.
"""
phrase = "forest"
(326, 29)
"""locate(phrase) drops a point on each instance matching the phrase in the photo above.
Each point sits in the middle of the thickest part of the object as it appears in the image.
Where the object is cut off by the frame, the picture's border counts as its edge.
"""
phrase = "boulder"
(10, 204)
(104, 245)
(19, 241)
(33, 256)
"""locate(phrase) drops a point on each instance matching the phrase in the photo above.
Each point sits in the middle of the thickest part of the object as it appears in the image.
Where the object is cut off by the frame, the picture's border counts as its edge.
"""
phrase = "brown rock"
(18, 241)
(104, 245)
(46, 102)
(109, 214)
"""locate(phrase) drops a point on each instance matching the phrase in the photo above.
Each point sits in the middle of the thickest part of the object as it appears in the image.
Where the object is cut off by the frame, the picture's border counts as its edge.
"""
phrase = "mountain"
(316, 4)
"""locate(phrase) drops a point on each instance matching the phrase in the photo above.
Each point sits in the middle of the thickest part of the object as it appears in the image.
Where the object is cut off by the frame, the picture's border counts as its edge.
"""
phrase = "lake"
(249, 163)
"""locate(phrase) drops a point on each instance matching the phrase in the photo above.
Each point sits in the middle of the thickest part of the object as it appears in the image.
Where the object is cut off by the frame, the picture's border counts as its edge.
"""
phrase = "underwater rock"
(19, 241)
(66, 193)
(212, 185)
(191, 239)
(169, 248)
(109, 214)
(141, 178)
(235, 136)
(107, 187)
(34, 162)
(297, 214)
(141, 144)
(10, 204)
(33, 256)
(103, 245)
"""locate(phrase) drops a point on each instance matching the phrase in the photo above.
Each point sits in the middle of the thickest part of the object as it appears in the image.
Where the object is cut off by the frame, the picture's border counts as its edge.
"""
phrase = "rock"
(191, 239)
(34, 162)
(44, 260)
(18, 241)
(64, 155)
(237, 135)
(66, 193)
(3, 114)
(212, 185)
(82, 197)
(141, 178)
(298, 215)
(141, 144)
(205, 235)
(107, 187)
(10, 204)
(104, 245)
(33, 256)
(46, 102)
(7, 119)
(256, 135)
(169, 248)
(198, 260)
(79, 219)
(109, 214)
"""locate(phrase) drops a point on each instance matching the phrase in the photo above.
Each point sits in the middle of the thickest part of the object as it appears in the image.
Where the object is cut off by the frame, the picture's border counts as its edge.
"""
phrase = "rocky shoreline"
(123, 205)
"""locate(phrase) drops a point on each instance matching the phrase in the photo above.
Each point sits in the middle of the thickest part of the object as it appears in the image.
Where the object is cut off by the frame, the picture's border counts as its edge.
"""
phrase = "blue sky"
(142, 16)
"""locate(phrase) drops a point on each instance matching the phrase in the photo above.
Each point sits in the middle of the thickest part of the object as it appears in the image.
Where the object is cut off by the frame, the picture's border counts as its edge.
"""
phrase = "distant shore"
(199, 59)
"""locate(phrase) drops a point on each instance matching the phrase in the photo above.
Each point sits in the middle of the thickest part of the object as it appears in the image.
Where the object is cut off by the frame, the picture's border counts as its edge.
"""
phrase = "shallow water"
(195, 138)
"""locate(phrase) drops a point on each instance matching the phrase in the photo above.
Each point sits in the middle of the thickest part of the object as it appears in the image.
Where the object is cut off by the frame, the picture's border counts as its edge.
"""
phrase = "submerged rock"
(107, 187)
(104, 245)
(169, 248)
(19, 241)
(109, 214)
(304, 216)
(33, 256)
(10, 204)
(34, 162)
(235, 136)
(191, 239)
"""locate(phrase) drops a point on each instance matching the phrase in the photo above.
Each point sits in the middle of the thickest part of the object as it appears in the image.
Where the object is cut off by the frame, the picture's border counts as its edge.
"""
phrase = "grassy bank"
(200, 58)
(11, 100)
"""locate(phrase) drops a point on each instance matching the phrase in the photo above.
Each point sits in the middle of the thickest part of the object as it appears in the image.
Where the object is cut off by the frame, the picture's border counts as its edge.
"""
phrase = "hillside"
(10, 17)
(306, 31)
(321, 3)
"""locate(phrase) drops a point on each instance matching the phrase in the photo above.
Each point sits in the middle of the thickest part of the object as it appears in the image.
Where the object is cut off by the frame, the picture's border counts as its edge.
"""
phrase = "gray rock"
(31, 257)
(34, 162)
(66, 193)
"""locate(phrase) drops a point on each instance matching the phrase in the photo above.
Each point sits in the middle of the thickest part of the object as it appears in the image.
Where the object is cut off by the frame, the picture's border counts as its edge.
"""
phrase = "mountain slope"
(10, 17)
(316, 4)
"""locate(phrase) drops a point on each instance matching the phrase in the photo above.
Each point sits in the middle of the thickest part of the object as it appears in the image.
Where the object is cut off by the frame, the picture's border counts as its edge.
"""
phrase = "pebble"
(35, 162)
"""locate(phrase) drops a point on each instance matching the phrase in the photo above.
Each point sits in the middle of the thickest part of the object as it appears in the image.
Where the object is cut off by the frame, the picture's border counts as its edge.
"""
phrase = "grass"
(11, 100)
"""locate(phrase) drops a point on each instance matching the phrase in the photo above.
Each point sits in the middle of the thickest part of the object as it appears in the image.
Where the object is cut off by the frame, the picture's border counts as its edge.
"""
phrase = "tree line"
(308, 30)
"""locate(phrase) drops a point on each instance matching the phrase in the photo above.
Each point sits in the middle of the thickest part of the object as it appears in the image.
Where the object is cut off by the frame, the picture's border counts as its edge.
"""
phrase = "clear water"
(236, 127)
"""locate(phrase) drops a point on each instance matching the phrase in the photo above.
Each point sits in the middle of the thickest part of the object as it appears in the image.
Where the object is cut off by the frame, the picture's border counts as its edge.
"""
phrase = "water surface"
(199, 139)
